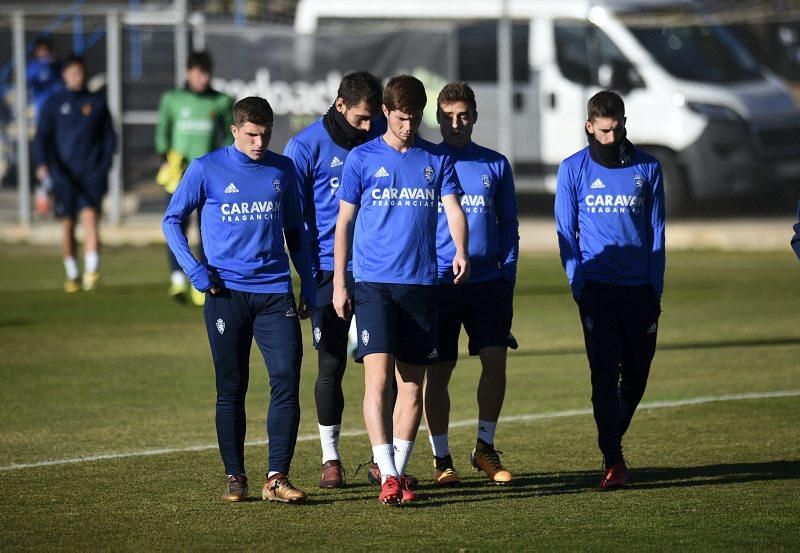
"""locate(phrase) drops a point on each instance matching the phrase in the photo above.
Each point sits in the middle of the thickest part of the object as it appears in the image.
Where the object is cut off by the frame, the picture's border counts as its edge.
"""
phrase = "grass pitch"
(126, 374)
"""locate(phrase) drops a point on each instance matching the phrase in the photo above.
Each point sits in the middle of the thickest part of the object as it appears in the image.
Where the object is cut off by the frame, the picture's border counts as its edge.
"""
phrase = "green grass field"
(124, 373)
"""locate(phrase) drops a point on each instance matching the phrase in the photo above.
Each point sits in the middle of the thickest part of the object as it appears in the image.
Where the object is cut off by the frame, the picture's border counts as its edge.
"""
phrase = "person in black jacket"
(796, 237)
(74, 149)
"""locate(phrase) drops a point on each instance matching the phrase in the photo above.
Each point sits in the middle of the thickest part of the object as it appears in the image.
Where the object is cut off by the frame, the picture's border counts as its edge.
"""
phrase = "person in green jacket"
(192, 121)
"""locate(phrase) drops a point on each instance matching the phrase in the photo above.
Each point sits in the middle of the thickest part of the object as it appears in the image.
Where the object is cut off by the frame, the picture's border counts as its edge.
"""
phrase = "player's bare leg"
(437, 417)
(91, 236)
(406, 418)
(492, 385)
(491, 392)
(68, 248)
(378, 370)
(437, 397)
(408, 407)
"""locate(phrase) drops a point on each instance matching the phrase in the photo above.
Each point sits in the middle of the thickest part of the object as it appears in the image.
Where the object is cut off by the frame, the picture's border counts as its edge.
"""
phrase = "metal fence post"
(505, 85)
(181, 42)
(114, 96)
(21, 92)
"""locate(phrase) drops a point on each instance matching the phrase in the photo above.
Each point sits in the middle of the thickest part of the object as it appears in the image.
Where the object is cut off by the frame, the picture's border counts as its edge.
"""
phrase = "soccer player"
(192, 121)
(389, 194)
(609, 212)
(74, 148)
(484, 304)
(248, 199)
(43, 74)
(319, 152)
(796, 238)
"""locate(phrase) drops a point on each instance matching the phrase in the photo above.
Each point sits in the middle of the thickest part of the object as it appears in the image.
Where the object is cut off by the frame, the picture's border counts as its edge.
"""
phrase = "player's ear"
(474, 116)
(385, 111)
(589, 127)
(233, 131)
(341, 107)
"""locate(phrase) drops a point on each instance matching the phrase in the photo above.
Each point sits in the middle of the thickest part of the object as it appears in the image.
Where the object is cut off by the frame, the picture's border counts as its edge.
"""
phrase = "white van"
(721, 124)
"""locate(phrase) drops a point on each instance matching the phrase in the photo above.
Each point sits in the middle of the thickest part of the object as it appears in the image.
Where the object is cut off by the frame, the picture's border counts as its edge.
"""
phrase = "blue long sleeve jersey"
(319, 162)
(610, 222)
(397, 196)
(490, 205)
(75, 137)
(245, 208)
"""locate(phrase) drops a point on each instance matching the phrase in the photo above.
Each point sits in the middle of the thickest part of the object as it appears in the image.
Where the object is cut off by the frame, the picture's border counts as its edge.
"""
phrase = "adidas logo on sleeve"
(231, 189)
(336, 162)
(382, 172)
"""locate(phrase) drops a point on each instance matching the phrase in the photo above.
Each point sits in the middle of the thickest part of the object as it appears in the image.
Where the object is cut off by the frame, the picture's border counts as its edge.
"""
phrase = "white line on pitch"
(454, 424)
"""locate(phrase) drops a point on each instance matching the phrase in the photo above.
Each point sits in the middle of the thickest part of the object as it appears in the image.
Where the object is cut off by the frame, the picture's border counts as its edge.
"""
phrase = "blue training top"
(245, 207)
(610, 221)
(397, 195)
(319, 162)
(490, 205)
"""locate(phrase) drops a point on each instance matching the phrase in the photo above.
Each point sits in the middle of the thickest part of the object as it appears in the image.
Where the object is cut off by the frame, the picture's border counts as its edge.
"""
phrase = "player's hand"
(460, 268)
(342, 302)
(214, 290)
(303, 312)
(42, 201)
(42, 172)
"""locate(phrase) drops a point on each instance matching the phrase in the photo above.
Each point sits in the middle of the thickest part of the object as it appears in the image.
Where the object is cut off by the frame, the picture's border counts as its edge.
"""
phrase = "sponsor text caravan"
(250, 211)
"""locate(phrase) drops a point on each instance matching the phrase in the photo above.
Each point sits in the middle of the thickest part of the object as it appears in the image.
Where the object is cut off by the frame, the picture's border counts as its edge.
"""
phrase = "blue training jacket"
(319, 162)
(610, 221)
(245, 206)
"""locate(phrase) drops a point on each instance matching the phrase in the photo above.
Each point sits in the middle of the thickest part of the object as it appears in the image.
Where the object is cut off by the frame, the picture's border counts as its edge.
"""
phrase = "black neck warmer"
(614, 155)
(341, 132)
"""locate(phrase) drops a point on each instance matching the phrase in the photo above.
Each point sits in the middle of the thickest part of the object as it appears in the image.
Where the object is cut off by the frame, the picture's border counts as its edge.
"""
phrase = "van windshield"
(699, 53)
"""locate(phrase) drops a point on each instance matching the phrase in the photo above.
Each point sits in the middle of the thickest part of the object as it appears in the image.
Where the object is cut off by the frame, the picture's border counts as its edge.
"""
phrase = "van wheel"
(677, 194)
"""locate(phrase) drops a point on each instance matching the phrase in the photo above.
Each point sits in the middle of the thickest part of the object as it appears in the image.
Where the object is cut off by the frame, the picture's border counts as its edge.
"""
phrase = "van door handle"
(552, 100)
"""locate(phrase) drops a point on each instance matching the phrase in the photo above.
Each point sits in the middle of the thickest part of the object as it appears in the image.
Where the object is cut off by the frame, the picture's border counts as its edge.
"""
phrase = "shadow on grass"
(15, 323)
(674, 346)
(646, 478)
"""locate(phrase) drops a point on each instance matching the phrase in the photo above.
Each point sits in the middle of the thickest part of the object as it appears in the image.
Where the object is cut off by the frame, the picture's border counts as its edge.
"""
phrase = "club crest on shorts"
(487, 182)
(221, 326)
(317, 334)
(290, 313)
(365, 336)
(428, 173)
(639, 181)
(588, 323)
(276, 182)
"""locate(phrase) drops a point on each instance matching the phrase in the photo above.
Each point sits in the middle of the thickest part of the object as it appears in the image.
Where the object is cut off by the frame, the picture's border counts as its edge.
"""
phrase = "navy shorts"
(399, 319)
(328, 330)
(484, 308)
(70, 197)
